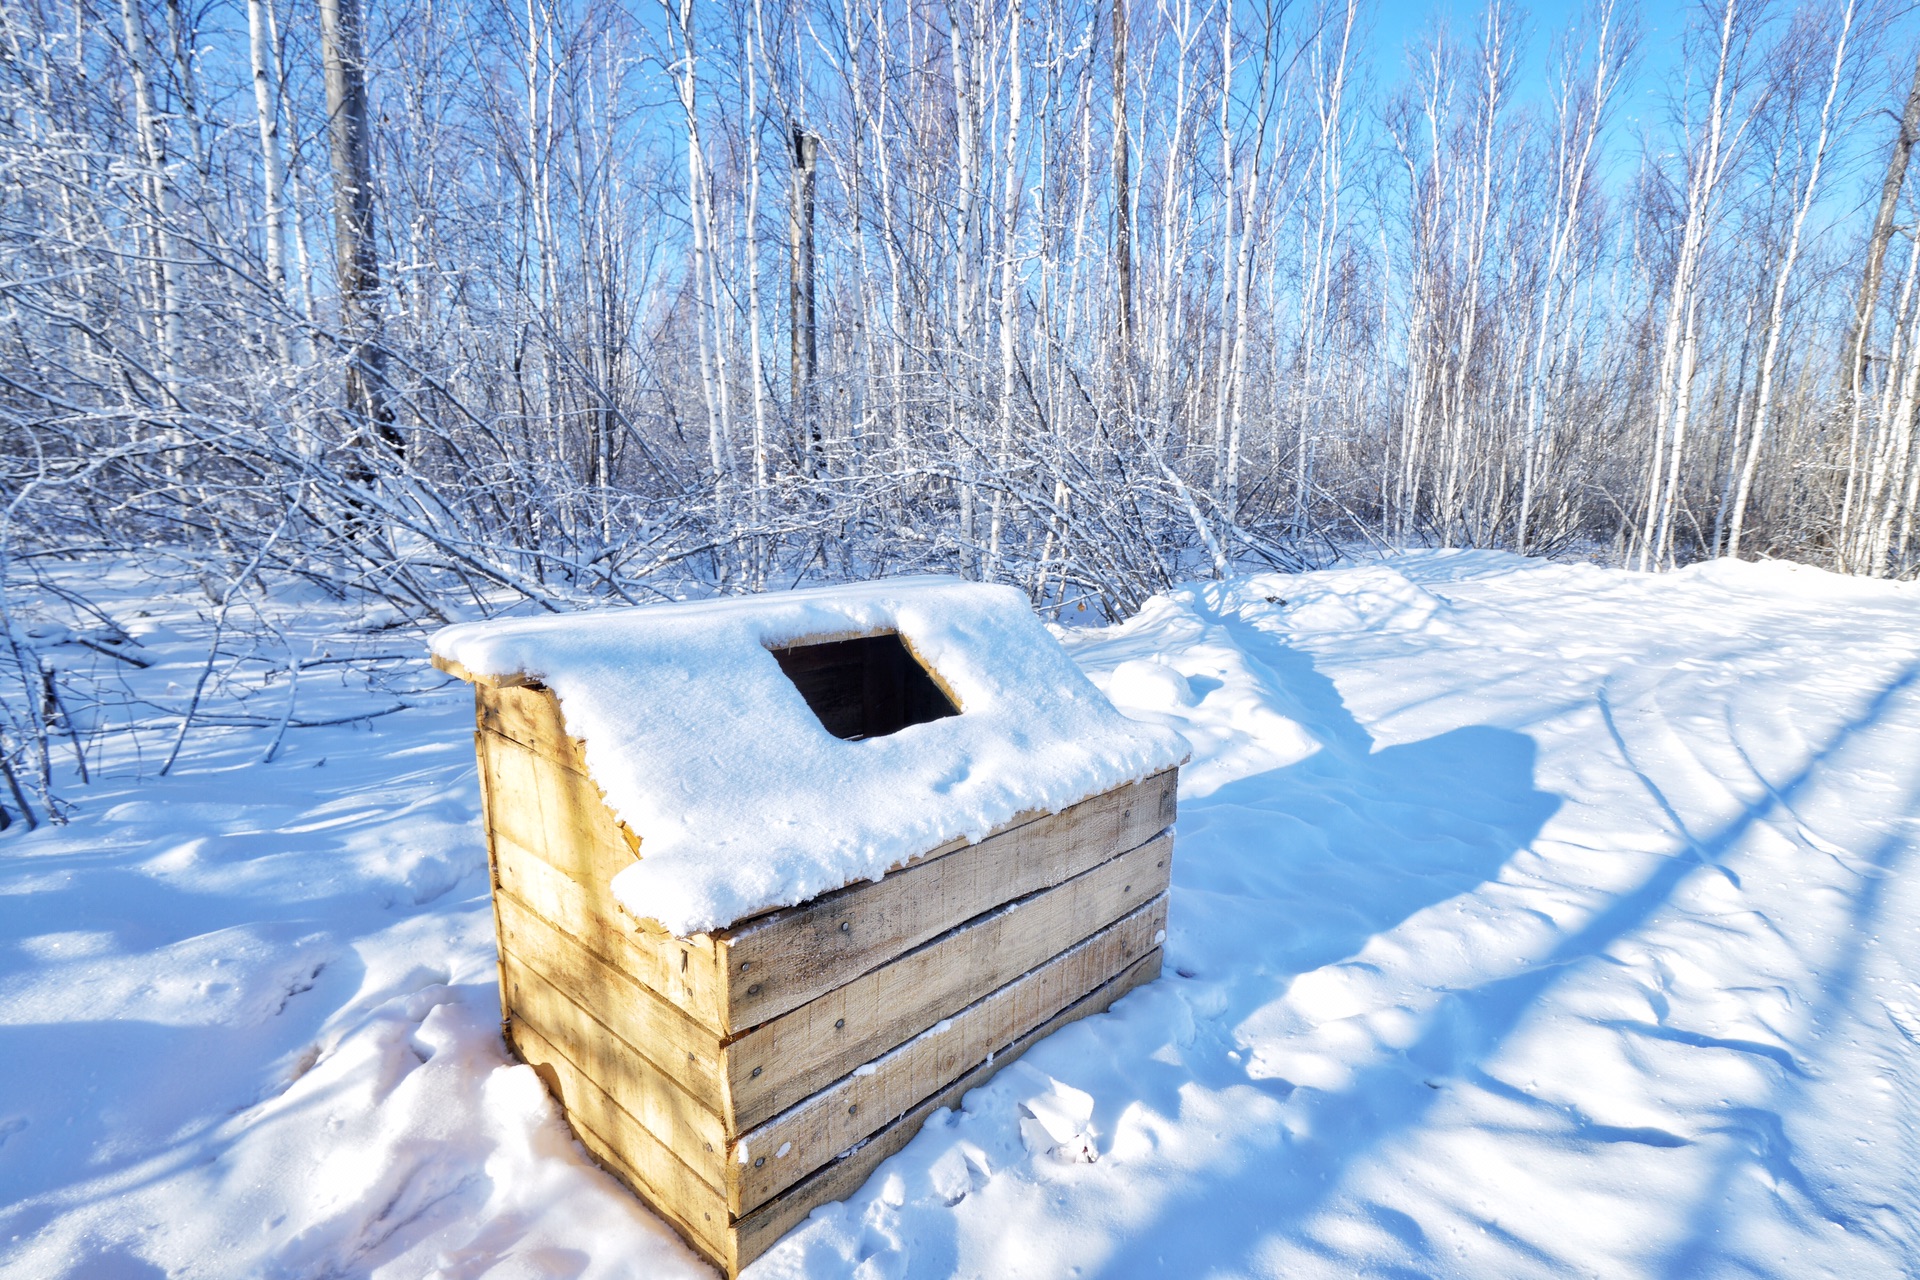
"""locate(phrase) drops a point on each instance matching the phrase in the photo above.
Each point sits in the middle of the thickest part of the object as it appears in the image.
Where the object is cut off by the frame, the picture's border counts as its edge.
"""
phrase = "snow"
(740, 813)
(1528, 920)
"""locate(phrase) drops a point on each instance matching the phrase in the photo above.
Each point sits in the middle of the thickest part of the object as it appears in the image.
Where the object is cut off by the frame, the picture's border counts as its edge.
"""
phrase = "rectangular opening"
(864, 688)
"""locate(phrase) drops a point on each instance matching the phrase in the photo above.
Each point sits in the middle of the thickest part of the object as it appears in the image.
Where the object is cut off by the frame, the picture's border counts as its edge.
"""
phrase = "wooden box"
(737, 1080)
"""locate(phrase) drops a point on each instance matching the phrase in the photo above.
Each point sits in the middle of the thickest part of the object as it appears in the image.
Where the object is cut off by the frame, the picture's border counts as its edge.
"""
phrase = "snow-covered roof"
(744, 801)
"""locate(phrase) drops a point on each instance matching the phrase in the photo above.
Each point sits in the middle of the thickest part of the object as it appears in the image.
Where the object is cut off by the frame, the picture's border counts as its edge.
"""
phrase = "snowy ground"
(1528, 920)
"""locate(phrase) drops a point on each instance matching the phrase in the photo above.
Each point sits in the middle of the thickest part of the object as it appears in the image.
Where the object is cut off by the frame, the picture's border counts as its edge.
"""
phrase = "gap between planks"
(740, 1241)
(750, 974)
(751, 1077)
(784, 1148)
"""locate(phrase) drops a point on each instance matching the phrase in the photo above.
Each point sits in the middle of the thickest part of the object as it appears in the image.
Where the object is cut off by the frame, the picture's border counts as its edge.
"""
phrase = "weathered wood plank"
(838, 1117)
(531, 716)
(542, 808)
(761, 1230)
(755, 1076)
(651, 1095)
(554, 812)
(792, 1144)
(682, 971)
(459, 672)
(690, 1207)
(621, 1143)
(493, 862)
(673, 1042)
(781, 1062)
(825, 1040)
(780, 961)
(560, 817)
(719, 1254)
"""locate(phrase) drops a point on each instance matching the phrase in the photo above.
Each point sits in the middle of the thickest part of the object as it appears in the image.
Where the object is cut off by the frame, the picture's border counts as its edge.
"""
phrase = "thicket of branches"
(463, 304)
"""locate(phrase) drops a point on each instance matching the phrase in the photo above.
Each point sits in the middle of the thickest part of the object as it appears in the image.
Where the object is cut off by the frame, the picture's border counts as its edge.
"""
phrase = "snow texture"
(1528, 920)
(744, 802)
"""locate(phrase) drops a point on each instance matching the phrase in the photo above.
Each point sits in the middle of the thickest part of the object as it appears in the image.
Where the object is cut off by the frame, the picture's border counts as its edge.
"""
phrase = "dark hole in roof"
(864, 688)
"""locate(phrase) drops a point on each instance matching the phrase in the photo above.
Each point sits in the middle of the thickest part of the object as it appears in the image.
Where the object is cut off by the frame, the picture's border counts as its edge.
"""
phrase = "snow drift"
(1528, 920)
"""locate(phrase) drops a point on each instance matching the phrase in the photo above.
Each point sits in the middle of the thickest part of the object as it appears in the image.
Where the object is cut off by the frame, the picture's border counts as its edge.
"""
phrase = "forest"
(440, 308)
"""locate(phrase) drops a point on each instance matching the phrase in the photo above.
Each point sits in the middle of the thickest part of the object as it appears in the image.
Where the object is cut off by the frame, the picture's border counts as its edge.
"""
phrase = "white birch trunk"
(1776, 314)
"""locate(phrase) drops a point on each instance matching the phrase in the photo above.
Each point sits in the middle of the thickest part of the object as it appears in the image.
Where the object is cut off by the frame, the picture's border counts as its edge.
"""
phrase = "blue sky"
(1643, 105)
(1398, 22)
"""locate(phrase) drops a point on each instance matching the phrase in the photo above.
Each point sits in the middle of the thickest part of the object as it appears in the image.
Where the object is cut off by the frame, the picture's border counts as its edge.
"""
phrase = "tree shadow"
(1758, 1135)
(1444, 815)
(1324, 855)
(1355, 838)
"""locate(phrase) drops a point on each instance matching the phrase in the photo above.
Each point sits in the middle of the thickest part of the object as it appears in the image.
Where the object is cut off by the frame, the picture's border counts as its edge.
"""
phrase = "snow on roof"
(742, 798)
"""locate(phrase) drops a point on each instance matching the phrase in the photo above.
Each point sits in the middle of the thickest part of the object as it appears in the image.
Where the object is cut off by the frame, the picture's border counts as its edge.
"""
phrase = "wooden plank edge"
(540, 726)
(760, 1230)
(1025, 818)
(602, 1154)
(772, 1067)
(692, 1098)
(651, 955)
(675, 1029)
(871, 1080)
(569, 774)
(713, 1237)
(536, 874)
(652, 1096)
(493, 871)
(939, 681)
(517, 680)
(1074, 847)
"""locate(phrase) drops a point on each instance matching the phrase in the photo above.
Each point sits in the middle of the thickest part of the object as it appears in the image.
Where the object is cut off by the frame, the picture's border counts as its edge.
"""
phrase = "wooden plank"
(786, 1148)
(682, 1200)
(646, 1092)
(554, 812)
(825, 1040)
(754, 1077)
(761, 1230)
(780, 961)
(939, 681)
(558, 815)
(783, 1061)
(549, 806)
(478, 681)
(719, 1254)
(620, 1142)
(559, 818)
(493, 864)
(673, 1042)
(531, 716)
(542, 808)
(681, 971)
